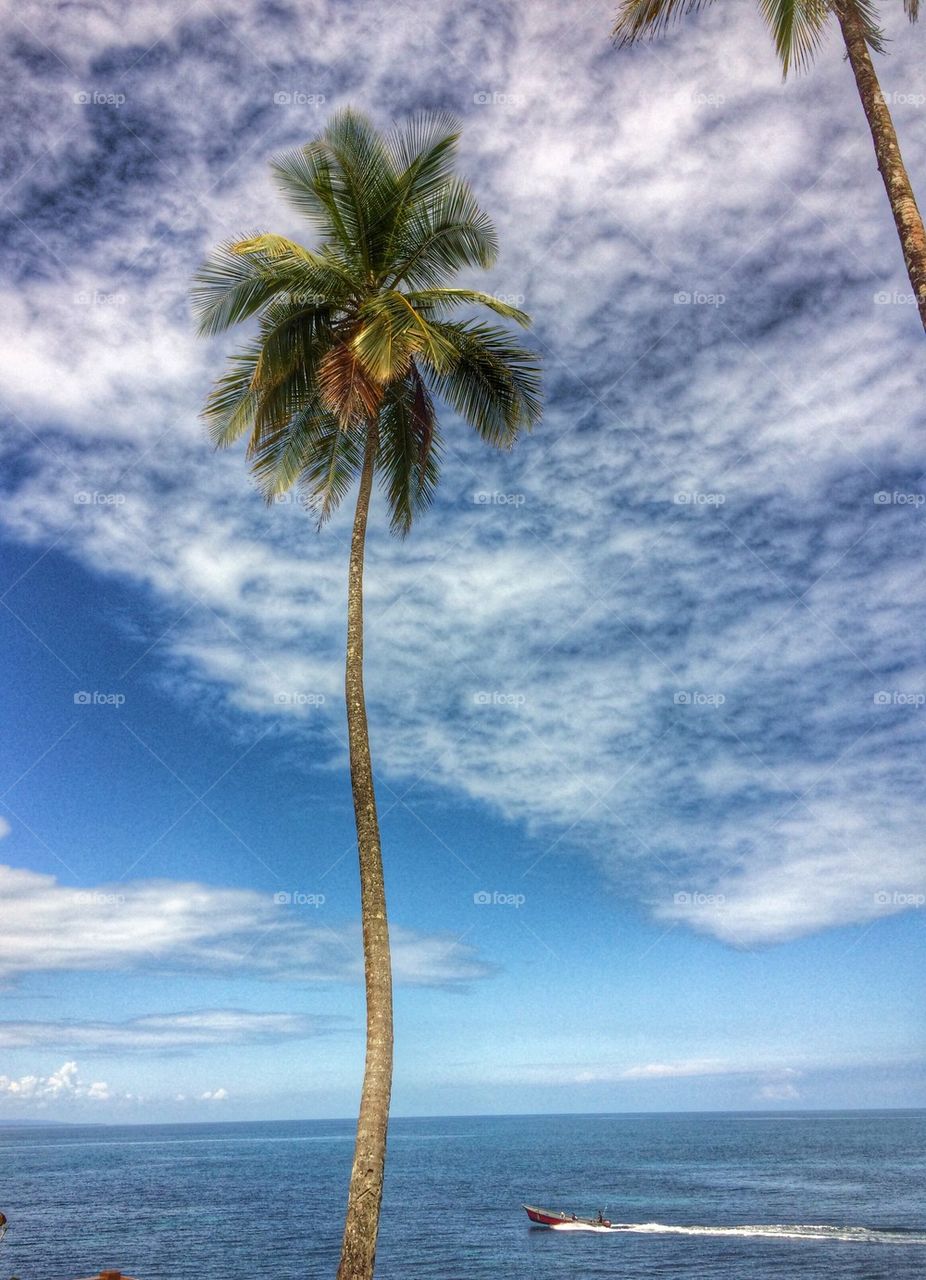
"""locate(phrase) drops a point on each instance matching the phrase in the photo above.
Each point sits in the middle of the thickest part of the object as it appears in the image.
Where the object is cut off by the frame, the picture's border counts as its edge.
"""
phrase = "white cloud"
(779, 1093)
(791, 807)
(214, 1095)
(675, 1070)
(174, 925)
(156, 1033)
(63, 1085)
(765, 1073)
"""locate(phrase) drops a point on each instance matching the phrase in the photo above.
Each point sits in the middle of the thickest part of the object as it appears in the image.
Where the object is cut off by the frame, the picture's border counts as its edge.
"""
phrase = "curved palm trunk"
(896, 181)
(358, 1250)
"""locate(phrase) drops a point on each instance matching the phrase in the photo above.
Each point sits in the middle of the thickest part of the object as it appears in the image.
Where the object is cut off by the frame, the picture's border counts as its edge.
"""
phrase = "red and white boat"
(556, 1218)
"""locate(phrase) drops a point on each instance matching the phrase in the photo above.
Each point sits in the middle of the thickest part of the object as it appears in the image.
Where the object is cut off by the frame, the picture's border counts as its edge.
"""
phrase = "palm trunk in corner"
(896, 181)
(358, 1250)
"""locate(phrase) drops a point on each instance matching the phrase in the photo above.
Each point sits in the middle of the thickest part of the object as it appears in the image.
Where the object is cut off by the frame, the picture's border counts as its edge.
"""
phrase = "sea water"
(733, 1196)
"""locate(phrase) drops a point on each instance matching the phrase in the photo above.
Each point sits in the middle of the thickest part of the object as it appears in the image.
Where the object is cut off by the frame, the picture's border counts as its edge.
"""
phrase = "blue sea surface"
(744, 1196)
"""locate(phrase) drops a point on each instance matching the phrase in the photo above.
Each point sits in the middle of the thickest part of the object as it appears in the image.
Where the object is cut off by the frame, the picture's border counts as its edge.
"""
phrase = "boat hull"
(556, 1218)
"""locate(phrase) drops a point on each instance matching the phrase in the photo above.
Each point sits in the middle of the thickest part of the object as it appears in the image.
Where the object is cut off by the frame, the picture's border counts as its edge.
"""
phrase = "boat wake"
(779, 1231)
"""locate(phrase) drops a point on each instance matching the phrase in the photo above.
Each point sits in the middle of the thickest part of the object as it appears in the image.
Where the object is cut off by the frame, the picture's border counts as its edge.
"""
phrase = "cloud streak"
(174, 926)
(165, 1033)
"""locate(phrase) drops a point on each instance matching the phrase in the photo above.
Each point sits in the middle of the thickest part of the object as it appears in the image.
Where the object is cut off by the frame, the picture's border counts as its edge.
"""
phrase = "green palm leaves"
(363, 332)
(796, 25)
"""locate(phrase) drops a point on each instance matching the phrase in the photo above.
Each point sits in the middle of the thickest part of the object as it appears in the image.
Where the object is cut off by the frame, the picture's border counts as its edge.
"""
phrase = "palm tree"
(356, 340)
(797, 27)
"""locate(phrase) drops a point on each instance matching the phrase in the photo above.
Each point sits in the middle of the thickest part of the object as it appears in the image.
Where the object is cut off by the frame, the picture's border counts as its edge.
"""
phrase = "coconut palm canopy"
(364, 329)
(796, 25)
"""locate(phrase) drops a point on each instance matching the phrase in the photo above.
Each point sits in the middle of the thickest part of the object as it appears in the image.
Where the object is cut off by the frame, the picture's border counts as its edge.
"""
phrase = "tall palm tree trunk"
(896, 181)
(358, 1250)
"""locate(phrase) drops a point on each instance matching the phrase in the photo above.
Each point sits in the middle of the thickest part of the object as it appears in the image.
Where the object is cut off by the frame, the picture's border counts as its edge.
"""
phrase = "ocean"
(734, 1196)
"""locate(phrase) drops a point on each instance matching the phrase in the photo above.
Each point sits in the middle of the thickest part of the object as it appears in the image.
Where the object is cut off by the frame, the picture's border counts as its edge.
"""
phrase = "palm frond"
(442, 235)
(231, 405)
(912, 9)
(331, 463)
(874, 32)
(423, 154)
(306, 178)
(344, 182)
(408, 457)
(797, 28)
(366, 180)
(228, 288)
(271, 378)
(280, 458)
(296, 270)
(637, 19)
(272, 246)
(440, 301)
(494, 385)
(424, 150)
(345, 387)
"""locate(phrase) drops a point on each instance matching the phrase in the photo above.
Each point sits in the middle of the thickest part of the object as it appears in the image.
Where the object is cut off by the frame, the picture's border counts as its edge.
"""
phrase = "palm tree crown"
(358, 334)
(796, 25)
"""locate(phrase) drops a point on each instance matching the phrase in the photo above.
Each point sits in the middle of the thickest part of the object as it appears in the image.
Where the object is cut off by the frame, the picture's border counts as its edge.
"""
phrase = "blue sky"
(646, 695)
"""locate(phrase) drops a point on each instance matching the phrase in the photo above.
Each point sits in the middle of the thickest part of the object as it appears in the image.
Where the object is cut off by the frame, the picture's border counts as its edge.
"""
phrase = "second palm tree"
(797, 27)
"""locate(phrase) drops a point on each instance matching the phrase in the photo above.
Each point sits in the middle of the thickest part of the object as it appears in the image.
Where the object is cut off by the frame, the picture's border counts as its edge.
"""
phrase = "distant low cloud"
(785, 1092)
(63, 1085)
(772, 1074)
(676, 1070)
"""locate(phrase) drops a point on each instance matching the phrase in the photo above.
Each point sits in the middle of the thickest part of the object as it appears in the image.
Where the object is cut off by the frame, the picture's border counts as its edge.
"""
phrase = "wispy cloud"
(659, 632)
(177, 926)
(768, 1074)
(159, 1033)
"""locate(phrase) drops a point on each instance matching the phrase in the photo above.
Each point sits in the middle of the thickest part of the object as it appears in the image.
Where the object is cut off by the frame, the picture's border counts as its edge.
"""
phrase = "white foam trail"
(777, 1231)
(579, 1226)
